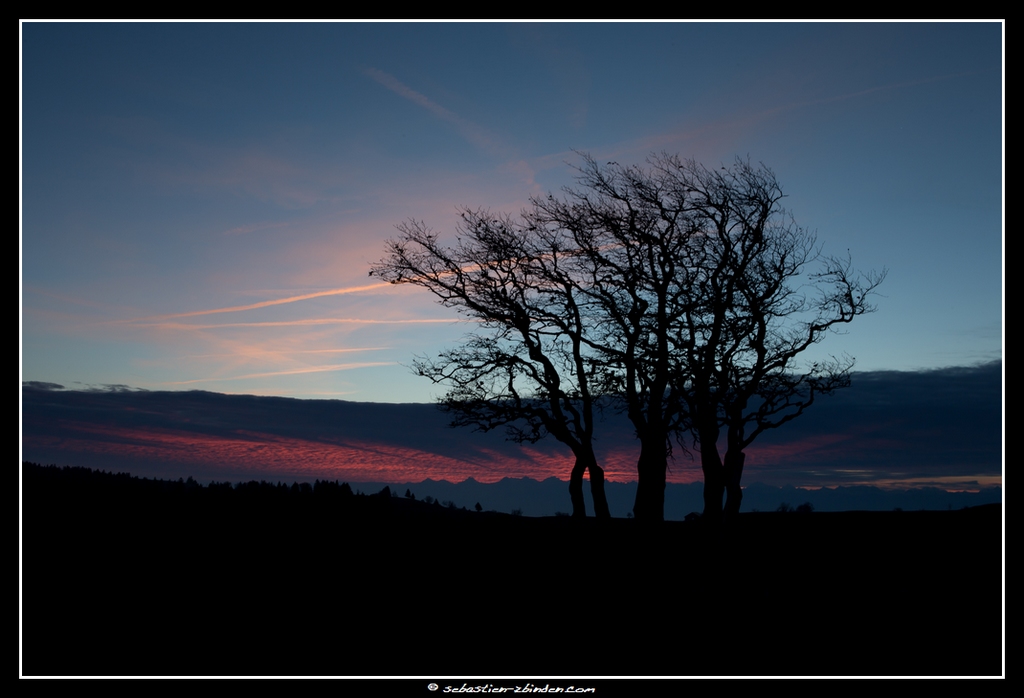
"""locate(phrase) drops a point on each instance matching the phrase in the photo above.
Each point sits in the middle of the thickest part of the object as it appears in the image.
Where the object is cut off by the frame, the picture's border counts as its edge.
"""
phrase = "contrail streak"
(265, 304)
(293, 323)
(313, 369)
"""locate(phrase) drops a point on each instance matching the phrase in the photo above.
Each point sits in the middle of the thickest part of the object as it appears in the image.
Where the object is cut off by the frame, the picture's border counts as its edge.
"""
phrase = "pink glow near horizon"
(259, 455)
(244, 455)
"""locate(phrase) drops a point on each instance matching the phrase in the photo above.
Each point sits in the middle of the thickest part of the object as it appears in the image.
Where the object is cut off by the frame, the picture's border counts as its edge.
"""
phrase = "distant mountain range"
(550, 497)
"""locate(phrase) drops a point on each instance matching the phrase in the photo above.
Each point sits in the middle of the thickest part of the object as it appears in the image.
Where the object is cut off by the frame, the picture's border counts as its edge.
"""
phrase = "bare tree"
(708, 293)
(527, 368)
(634, 236)
(685, 294)
(764, 295)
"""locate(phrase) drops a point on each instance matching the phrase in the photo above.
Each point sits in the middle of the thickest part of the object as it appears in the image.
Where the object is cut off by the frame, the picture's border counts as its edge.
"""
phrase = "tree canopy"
(683, 295)
(527, 367)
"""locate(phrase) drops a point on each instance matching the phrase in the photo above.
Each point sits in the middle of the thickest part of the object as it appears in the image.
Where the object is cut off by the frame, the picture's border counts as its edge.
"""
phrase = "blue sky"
(201, 202)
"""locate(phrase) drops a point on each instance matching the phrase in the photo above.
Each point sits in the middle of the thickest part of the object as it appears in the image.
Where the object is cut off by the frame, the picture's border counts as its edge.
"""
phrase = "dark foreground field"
(125, 577)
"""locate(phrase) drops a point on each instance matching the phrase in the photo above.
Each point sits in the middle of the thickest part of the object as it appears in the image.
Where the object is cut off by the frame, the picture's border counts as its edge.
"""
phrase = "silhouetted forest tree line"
(86, 484)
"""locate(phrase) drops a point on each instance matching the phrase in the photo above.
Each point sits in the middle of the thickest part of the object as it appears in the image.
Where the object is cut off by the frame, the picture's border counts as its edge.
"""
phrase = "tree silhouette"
(761, 294)
(685, 294)
(708, 292)
(529, 367)
(632, 235)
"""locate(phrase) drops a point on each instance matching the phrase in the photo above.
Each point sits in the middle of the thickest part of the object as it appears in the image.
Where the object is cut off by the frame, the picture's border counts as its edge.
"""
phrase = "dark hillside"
(129, 576)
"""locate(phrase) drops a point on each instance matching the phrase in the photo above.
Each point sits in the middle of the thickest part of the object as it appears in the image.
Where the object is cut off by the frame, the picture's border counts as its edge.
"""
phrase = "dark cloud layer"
(930, 424)
(42, 385)
(940, 428)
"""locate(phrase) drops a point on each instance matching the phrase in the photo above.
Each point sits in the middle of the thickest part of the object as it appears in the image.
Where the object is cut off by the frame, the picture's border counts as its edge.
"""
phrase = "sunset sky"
(201, 202)
(893, 430)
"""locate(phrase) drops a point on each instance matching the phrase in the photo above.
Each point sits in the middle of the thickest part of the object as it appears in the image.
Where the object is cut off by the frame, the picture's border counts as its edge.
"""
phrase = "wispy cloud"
(291, 372)
(474, 134)
(267, 304)
(265, 171)
(295, 323)
(859, 93)
(333, 351)
(245, 229)
(289, 351)
(719, 131)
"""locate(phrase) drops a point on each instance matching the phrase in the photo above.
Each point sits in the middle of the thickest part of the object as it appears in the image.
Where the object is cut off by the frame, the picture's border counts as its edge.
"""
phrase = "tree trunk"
(579, 504)
(597, 488)
(650, 488)
(733, 472)
(714, 480)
